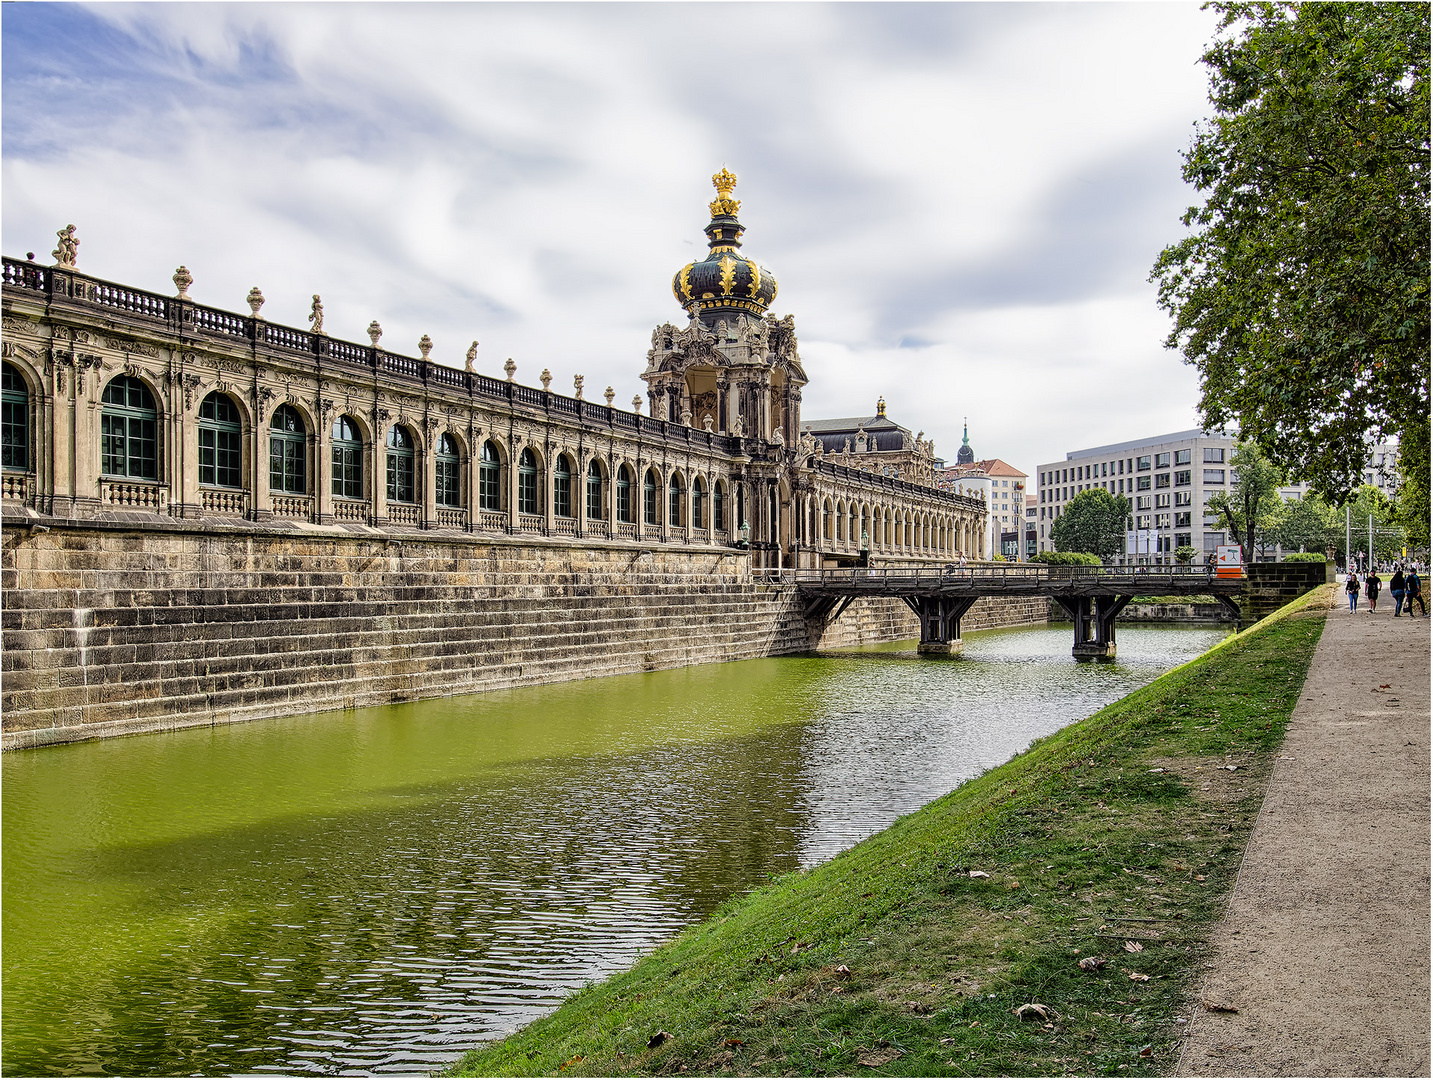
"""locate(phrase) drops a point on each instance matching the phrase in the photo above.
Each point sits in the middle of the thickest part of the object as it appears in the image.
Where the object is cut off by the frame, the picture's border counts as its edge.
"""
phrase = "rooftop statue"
(315, 315)
(69, 248)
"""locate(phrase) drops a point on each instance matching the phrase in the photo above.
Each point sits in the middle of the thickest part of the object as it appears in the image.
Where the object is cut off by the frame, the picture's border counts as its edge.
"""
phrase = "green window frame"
(490, 488)
(626, 513)
(649, 499)
(129, 430)
(674, 502)
(14, 420)
(347, 458)
(718, 505)
(400, 459)
(527, 500)
(699, 504)
(562, 487)
(221, 442)
(288, 452)
(594, 490)
(446, 475)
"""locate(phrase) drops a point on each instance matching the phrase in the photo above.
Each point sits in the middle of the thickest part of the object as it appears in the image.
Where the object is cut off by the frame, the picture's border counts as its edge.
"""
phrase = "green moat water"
(375, 891)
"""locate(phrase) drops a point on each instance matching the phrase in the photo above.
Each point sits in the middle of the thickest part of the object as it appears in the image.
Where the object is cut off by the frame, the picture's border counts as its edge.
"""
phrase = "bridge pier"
(1094, 618)
(940, 622)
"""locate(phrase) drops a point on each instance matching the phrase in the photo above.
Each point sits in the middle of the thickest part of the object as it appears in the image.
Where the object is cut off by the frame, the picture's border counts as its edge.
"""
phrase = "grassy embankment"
(1114, 842)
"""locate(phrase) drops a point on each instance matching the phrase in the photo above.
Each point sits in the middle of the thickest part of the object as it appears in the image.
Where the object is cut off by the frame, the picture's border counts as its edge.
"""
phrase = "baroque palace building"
(130, 405)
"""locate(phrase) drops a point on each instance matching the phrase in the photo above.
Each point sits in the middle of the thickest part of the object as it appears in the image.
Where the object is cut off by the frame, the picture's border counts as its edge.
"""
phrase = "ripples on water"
(375, 891)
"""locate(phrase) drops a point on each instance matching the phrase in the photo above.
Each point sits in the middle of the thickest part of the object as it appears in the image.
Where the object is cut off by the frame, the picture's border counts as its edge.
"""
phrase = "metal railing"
(998, 576)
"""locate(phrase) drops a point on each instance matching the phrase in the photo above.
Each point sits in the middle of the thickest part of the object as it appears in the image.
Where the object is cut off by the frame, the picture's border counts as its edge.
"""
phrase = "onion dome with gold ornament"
(725, 280)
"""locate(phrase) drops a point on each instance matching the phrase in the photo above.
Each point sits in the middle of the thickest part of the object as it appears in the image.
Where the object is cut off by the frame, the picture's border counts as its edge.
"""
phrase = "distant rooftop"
(1134, 444)
(851, 423)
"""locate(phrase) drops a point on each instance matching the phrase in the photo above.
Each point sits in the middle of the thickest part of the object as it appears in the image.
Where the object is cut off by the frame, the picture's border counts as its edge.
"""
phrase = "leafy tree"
(1306, 524)
(1249, 509)
(1094, 522)
(1302, 293)
(1184, 555)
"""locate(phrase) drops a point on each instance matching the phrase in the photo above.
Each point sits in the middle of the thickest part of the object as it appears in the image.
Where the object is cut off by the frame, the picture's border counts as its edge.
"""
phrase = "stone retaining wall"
(113, 630)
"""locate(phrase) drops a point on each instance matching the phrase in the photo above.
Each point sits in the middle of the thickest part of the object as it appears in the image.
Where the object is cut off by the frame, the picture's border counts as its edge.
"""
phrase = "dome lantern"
(725, 280)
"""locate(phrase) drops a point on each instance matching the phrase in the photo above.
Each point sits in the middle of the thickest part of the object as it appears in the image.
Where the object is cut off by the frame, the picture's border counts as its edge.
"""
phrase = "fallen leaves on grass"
(572, 1061)
(734, 1042)
(1092, 963)
(1033, 1010)
(1133, 946)
(978, 873)
(1135, 976)
(841, 971)
(658, 1039)
(1218, 1006)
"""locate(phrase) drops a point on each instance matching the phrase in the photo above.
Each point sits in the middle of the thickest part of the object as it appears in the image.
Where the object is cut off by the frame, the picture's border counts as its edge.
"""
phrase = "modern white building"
(1168, 479)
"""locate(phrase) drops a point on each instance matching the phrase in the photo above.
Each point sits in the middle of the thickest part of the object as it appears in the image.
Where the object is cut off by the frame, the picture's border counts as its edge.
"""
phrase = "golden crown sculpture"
(725, 183)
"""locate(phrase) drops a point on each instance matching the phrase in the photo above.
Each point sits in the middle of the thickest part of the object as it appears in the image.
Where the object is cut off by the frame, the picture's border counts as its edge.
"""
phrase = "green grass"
(892, 959)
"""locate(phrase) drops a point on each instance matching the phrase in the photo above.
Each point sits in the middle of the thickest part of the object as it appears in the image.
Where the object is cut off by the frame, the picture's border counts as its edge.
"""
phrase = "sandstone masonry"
(111, 629)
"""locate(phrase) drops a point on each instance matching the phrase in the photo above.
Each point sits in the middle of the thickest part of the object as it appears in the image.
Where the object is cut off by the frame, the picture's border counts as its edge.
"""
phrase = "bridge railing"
(1012, 575)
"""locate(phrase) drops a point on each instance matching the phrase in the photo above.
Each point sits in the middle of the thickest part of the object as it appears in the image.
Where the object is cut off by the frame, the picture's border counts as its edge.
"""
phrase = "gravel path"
(1321, 964)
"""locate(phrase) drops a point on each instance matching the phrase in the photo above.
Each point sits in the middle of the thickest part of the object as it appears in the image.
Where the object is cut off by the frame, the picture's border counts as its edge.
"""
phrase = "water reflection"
(371, 892)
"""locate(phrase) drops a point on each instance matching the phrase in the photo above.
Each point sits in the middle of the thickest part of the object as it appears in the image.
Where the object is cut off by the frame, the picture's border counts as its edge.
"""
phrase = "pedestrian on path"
(1395, 589)
(1413, 585)
(1352, 587)
(1371, 585)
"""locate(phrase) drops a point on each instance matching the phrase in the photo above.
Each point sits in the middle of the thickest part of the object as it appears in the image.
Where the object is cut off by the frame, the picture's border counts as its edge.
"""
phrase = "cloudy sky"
(961, 202)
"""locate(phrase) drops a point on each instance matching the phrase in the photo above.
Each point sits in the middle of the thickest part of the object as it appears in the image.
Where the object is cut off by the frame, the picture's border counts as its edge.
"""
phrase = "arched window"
(527, 500)
(400, 465)
(562, 487)
(625, 511)
(674, 502)
(347, 459)
(220, 442)
(287, 452)
(649, 499)
(447, 489)
(490, 488)
(718, 505)
(594, 490)
(699, 504)
(14, 420)
(129, 427)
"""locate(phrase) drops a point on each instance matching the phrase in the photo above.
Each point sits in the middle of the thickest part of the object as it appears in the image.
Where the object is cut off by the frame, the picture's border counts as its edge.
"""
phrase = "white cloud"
(989, 182)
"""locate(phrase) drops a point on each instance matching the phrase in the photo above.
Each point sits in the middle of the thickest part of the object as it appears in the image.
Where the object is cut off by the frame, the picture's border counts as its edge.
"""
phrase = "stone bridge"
(1093, 595)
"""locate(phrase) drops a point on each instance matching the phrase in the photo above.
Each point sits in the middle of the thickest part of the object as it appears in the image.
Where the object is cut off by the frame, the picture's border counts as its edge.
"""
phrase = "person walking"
(1352, 588)
(1395, 589)
(1372, 583)
(1413, 586)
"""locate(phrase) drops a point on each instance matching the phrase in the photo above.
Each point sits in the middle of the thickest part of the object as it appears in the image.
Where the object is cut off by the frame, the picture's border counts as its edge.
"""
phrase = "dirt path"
(1324, 951)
